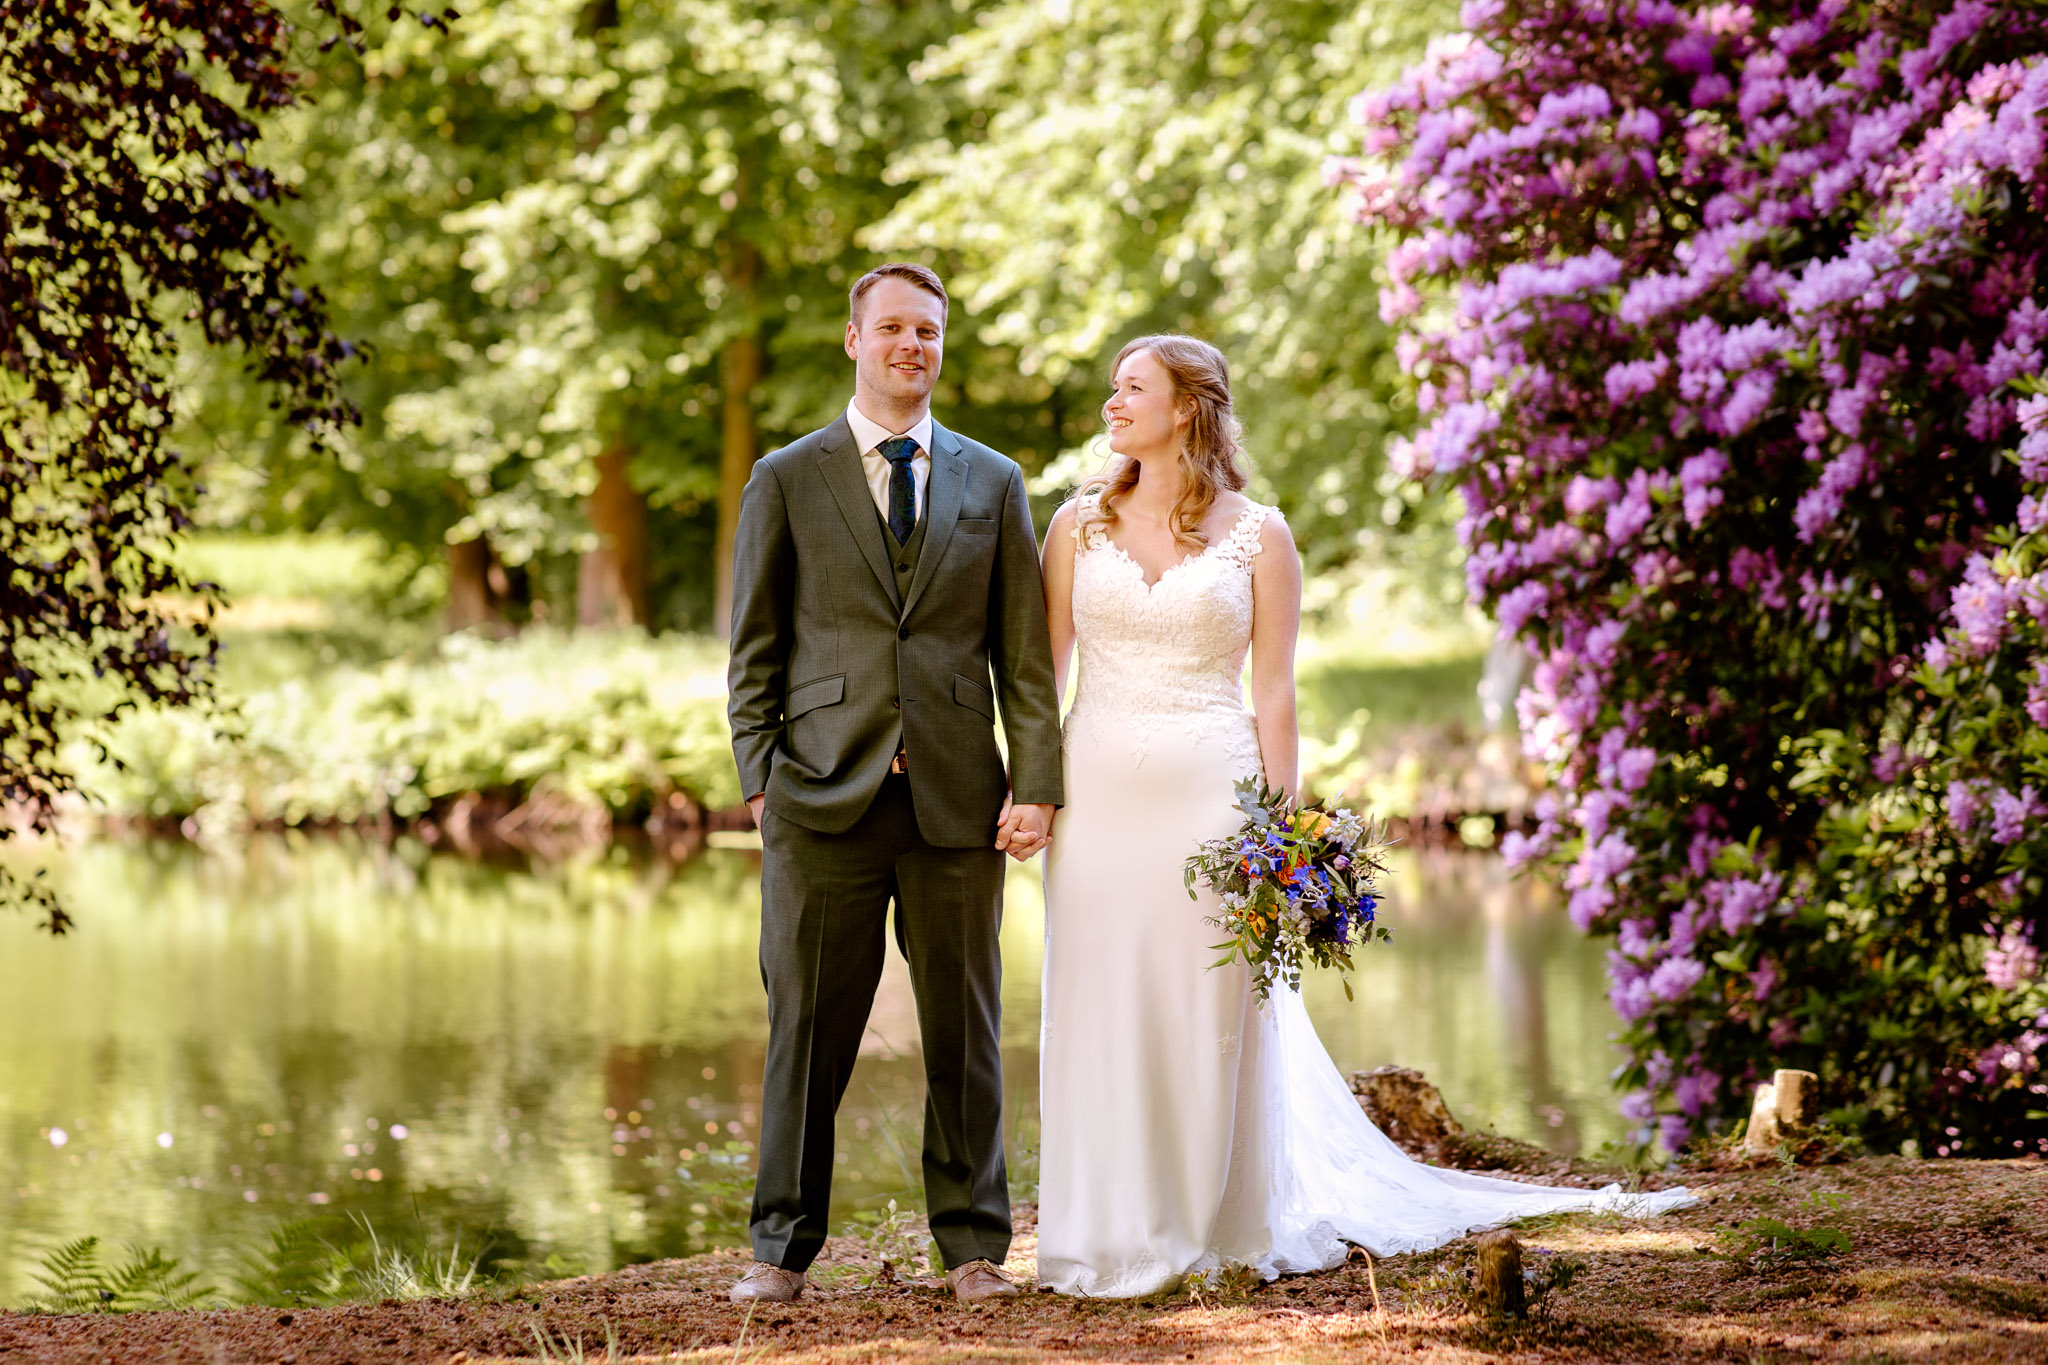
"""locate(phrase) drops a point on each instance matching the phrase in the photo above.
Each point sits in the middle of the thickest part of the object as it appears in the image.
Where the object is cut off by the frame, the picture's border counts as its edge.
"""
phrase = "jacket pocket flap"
(977, 526)
(814, 694)
(974, 696)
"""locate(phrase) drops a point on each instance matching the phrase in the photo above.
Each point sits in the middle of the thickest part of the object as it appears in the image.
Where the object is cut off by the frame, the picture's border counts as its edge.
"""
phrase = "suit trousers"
(824, 907)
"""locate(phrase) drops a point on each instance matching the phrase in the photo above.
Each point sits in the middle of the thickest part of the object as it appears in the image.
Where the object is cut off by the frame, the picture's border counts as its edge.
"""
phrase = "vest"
(903, 558)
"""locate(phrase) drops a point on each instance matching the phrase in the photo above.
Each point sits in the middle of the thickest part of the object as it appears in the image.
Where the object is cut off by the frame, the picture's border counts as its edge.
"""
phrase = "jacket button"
(902, 568)
(903, 633)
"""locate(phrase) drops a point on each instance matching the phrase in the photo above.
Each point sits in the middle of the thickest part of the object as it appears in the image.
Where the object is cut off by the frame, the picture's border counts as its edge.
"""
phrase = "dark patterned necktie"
(898, 450)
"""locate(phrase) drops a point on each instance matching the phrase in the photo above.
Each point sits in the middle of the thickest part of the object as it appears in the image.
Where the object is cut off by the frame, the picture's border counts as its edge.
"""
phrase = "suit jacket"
(838, 654)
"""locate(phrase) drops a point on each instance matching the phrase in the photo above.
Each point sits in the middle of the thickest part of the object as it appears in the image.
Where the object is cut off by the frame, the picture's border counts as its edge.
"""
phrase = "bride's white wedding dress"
(1183, 1125)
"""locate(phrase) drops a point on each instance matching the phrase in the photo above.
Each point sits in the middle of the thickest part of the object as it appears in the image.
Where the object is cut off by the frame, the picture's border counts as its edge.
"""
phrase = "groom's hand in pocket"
(1021, 831)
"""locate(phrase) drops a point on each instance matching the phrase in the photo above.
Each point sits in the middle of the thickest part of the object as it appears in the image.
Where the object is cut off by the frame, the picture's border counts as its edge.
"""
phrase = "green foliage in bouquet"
(1298, 887)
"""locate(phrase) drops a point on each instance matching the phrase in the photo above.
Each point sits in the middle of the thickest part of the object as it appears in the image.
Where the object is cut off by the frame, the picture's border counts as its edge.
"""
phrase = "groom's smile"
(897, 341)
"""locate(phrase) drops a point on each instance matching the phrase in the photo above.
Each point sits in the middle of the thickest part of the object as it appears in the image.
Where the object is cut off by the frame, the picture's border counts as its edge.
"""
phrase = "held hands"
(1022, 831)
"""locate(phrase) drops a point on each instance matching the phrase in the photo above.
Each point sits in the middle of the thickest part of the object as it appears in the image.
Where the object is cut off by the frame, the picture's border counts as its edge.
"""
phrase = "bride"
(1183, 1125)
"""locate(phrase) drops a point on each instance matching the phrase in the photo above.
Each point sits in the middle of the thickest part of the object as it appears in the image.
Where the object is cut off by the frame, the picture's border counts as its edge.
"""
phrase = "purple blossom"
(1632, 379)
(1980, 604)
(1634, 767)
(1696, 1091)
(1627, 518)
(1675, 977)
(1764, 980)
(2012, 814)
(1963, 806)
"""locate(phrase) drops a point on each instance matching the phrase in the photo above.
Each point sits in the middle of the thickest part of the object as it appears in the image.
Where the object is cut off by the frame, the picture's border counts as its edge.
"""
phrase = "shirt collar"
(867, 433)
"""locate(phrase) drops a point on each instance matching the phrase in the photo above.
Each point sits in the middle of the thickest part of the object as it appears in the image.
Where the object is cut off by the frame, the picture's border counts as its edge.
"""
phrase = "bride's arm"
(1059, 593)
(1276, 622)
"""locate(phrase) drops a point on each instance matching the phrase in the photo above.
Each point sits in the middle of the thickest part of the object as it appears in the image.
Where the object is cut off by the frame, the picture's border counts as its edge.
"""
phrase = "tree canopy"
(133, 215)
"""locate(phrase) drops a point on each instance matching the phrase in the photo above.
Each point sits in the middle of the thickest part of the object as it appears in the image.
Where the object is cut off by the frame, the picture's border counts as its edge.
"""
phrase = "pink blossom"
(2013, 960)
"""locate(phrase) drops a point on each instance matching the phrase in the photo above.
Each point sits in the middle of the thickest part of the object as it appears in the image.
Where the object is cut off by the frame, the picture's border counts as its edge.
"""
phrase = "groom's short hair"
(923, 277)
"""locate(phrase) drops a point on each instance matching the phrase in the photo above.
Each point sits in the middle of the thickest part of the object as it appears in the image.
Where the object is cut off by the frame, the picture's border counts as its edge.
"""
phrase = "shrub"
(1728, 323)
(606, 723)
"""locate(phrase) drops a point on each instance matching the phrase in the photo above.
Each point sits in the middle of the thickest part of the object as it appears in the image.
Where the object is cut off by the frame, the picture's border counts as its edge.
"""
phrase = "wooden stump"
(1403, 1104)
(1785, 1110)
(1500, 1275)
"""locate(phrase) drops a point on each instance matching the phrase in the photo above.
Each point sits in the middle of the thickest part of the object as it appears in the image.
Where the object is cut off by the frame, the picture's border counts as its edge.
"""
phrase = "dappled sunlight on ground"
(1947, 1261)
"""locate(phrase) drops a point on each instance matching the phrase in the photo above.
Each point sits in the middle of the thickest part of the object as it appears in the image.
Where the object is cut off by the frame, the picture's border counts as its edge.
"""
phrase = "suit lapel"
(942, 510)
(840, 463)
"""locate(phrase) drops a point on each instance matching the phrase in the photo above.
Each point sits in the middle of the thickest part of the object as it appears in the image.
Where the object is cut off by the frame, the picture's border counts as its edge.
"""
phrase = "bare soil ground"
(1945, 1261)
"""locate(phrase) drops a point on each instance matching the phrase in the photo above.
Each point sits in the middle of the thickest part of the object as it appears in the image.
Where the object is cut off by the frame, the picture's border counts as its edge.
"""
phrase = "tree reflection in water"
(566, 1058)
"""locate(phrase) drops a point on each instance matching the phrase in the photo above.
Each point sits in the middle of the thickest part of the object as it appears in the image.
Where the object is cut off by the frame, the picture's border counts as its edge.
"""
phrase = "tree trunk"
(611, 580)
(741, 446)
(475, 601)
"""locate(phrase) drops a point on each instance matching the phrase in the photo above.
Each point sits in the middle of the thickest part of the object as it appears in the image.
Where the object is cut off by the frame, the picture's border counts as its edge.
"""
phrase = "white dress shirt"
(869, 434)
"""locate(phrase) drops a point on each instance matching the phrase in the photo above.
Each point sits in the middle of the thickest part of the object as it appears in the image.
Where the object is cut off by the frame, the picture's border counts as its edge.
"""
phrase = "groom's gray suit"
(846, 650)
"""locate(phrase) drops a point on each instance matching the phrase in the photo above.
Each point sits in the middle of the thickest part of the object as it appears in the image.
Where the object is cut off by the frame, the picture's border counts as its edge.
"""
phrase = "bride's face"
(1144, 417)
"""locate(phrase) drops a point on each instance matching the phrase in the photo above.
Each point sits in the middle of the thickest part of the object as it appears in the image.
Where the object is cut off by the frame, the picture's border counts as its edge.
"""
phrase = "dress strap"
(1088, 531)
(1242, 544)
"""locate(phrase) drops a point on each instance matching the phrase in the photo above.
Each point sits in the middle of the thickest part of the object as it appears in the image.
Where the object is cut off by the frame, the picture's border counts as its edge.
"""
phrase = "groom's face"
(897, 342)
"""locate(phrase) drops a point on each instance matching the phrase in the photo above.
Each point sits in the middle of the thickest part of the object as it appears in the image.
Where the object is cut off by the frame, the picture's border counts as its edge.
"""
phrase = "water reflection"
(567, 1060)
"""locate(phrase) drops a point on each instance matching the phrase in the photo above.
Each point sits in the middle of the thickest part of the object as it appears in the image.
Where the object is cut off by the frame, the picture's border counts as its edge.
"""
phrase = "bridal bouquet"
(1298, 886)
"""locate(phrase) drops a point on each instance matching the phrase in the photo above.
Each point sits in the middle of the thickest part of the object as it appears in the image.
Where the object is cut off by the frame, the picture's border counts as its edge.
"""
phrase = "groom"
(886, 602)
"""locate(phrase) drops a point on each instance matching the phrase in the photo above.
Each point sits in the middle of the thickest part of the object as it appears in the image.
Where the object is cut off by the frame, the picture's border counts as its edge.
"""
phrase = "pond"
(561, 1064)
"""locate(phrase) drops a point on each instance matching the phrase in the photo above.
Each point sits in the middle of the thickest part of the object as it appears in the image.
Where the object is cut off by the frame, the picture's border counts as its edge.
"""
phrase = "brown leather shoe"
(765, 1283)
(978, 1281)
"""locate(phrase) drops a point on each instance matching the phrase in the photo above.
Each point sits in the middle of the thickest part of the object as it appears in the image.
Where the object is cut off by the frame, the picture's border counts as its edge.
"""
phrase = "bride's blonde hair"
(1209, 452)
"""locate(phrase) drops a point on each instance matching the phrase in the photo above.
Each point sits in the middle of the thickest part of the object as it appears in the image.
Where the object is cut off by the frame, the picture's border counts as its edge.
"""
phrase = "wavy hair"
(1209, 452)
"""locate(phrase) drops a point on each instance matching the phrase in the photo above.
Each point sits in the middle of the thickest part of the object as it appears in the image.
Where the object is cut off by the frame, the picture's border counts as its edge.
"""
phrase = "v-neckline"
(1185, 560)
(1166, 573)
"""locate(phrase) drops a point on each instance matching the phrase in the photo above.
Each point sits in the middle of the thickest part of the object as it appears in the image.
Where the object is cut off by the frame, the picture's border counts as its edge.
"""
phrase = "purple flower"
(1676, 977)
(1627, 518)
(1744, 903)
(1634, 767)
(1632, 379)
(2012, 814)
(1764, 980)
(1980, 604)
(1696, 1091)
(1963, 806)
(1638, 1107)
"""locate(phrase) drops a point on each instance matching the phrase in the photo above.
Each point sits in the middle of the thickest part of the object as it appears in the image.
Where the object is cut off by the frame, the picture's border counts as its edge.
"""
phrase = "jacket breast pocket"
(976, 526)
(974, 696)
(810, 696)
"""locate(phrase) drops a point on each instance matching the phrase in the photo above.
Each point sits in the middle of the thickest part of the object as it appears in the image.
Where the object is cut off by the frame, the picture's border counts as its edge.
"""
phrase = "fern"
(72, 1280)
(150, 1280)
(297, 1268)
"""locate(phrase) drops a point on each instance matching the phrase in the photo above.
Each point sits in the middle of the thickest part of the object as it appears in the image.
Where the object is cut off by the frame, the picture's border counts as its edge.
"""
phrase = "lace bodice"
(1171, 652)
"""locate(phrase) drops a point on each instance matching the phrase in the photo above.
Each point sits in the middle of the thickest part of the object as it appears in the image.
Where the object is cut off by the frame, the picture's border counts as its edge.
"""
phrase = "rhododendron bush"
(1727, 324)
